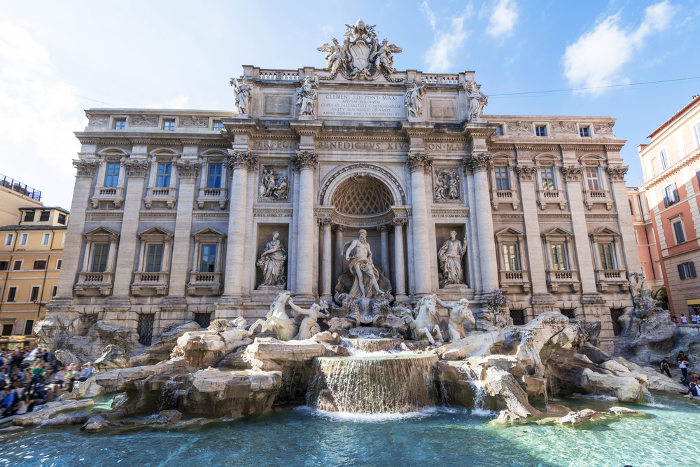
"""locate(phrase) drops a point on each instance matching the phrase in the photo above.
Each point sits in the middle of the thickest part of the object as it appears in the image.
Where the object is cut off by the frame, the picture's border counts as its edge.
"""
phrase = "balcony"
(509, 279)
(504, 197)
(611, 277)
(94, 283)
(204, 283)
(114, 195)
(161, 195)
(212, 197)
(591, 197)
(545, 197)
(567, 278)
(150, 283)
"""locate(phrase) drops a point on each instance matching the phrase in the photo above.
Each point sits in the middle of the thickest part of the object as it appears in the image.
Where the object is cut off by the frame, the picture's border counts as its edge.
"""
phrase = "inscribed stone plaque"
(361, 105)
(442, 109)
(278, 105)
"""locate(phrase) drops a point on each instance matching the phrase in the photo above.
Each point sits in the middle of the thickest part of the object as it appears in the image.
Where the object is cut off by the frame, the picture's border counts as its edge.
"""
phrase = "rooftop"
(19, 187)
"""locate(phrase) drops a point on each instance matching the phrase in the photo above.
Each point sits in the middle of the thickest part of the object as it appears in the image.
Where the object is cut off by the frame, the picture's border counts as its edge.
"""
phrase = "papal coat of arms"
(361, 55)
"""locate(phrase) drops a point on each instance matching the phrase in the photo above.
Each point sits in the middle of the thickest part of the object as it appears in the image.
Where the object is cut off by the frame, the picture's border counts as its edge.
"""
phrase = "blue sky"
(57, 58)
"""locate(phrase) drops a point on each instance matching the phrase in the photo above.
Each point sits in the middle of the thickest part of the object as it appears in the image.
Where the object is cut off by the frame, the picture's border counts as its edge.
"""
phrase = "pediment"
(557, 232)
(101, 232)
(155, 232)
(604, 232)
(508, 231)
(208, 232)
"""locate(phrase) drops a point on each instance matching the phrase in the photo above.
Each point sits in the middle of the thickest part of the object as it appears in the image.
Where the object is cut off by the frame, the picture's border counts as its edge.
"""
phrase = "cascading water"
(169, 395)
(477, 385)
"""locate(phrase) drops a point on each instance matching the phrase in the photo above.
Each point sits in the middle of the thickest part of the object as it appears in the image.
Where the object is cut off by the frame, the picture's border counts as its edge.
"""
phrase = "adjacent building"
(14, 195)
(671, 169)
(31, 257)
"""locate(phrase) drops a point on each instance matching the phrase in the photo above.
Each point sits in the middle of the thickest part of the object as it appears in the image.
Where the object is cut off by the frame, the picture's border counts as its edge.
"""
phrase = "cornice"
(417, 129)
(670, 171)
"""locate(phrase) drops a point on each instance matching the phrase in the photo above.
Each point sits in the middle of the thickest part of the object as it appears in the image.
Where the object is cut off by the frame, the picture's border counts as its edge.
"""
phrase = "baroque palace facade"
(181, 215)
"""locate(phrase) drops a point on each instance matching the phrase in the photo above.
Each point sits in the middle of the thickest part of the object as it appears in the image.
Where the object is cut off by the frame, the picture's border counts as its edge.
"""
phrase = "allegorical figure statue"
(306, 96)
(309, 326)
(242, 92)
(271, 263)
(414, 100)
(476, 101)
(450, 255)
(359, 255)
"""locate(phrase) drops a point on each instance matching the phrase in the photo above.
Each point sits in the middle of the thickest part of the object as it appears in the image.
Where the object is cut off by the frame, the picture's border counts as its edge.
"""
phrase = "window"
(9, 238)
(154, 257)
(502, 182)
(518, 317)
(144, 328)
(11, 294)
(541, 130)
(4, 265)
(217, 125)
(29, 216)
(45, 239)
(686, 270)
(54, 290)
(112, 174)
(17, 266)
(39, 264)
(606, 251)
(59, 263)
(696, 132)
(499, 130)
(511, 256)
(23, 239)
(207, 261)
(592, 178)
(7, 329)
(169, 124)
(203, 319)
(44, 216)
(584, 131)
(548, 182)
(28, 327)
(214, 175)
(99, 257)
(678, 230)
(62, 219)
(34, 296)
(663, 158)
(670, 195)
(120, 123)
(560, 261)
(163, 179)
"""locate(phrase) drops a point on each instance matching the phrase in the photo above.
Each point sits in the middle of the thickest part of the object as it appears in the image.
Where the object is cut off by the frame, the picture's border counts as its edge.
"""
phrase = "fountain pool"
(304, 436)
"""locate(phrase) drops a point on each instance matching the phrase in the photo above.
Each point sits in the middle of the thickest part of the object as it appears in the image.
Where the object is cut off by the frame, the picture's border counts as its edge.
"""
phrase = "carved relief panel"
(446, 185)
(274, 183)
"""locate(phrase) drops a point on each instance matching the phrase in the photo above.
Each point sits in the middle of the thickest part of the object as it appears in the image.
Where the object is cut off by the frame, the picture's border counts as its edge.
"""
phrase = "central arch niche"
(362, 195)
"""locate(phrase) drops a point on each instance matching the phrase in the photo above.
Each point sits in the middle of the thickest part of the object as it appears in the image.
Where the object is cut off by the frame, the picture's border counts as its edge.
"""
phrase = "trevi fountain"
(375, 367)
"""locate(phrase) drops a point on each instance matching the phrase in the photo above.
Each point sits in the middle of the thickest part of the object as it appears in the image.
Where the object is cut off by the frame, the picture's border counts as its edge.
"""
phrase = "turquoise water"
(436, 437)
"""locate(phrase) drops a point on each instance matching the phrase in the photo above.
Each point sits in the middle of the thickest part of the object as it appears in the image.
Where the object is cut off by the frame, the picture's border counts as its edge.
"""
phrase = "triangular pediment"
(101, 232)
(557, 232)
(155, 232)
(603, 231)
(508, 231)
(207, 232)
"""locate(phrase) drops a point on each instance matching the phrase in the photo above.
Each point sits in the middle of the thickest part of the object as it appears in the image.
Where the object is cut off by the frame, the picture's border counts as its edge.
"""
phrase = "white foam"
(382, 417)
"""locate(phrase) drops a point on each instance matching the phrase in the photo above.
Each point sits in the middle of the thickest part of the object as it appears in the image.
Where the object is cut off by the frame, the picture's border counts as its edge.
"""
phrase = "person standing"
(665, 367)
(683, 365)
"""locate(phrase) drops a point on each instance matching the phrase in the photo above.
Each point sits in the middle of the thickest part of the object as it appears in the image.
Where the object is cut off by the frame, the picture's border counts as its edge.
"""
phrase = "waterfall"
(168, 395)
(379, 384)
(371, 345)
(471, 377)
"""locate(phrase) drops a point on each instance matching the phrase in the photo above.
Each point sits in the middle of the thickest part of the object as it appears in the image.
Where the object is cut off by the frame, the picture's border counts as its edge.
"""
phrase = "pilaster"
(188, 170)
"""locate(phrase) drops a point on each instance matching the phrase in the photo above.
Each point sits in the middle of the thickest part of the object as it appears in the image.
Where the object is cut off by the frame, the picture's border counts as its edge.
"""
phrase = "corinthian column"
(419, 164)
(339, 243)
(305, 163)
(384, 233)
(239, 162)
(399, 265)
(479, 164)
(326, 257)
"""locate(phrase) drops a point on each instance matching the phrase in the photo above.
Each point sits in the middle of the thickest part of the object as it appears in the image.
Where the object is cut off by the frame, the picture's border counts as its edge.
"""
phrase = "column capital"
(478, 161)
(136, 167)
(305, 160)
(399, 221)
(617, 173)
(188, 168)
(241, 160)
(572, 173)
(525, 172)
(323, 221)
(418, 161)
(338, 228)
(383, 228)
(85, 168)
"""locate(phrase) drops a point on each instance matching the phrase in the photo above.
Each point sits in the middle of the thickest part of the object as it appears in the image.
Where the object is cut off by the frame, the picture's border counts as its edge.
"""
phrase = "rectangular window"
(163, 179)
(592, 178)
(696, 132)
(54, 291)
(39, 264)
(499, 130)
(28, 327)
(154, 257)
(678, 231)
(29, 216)
(207, 261)
(511, 257)
(502, 182)
(99, 257)
(687, 270)
(23, 239)
(7, 329)
(34, 296)
(548, 182)
(670, 195)
(606, 252)
(45, 239)
(4, 265)
(62, 219)
(584, 131)
(119, 123)
(214, 175)
(541, 130)
(217, 125)
(11, 294)
(17, 266)
(169, 124)
(560, 261)
(59, 263)
(44, 216)
(9, 238)
(664, 159)
(112, 174)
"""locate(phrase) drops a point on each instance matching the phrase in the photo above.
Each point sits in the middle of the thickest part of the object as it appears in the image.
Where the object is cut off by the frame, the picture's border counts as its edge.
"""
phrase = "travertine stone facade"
(318, 154)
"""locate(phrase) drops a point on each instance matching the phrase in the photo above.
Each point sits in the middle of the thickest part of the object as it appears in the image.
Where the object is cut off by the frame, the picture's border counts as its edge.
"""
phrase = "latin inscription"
(363, 145)
(361, 105)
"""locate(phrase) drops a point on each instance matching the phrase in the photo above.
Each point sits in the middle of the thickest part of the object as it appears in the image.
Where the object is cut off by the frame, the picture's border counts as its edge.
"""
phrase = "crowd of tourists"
(688, 379)
(32, 378)
(694, 318)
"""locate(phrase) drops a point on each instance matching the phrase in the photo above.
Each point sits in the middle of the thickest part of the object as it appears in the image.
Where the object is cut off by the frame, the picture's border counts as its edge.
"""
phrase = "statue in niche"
(273, 185)
(414, 100)
(271, 263)
(447, 185)
(306, 96)
(242, 92)
(476, 101)
(309, 327)
(450, 256)
(365, 284)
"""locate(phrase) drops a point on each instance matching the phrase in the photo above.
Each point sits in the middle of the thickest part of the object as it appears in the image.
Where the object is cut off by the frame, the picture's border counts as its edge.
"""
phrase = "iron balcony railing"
(20, 187)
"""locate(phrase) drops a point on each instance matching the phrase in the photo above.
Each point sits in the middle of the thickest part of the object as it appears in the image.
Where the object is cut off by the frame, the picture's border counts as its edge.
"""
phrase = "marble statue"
(414, 100)
(336, 56)
(273, 185)
(271, 263)
(277, 319)
(450, 258)
(306, 96)
(459, 312)
(242, 92)
(636, 284)
(382, 57)
(309, 326)
(476, 101)
(446, 185)
(365, 273)
(424, 324)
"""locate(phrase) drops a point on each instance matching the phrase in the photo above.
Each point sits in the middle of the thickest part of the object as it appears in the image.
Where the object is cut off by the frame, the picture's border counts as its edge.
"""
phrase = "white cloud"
(446, 41)
(38, 114)
(503, 18)
(597, 58)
